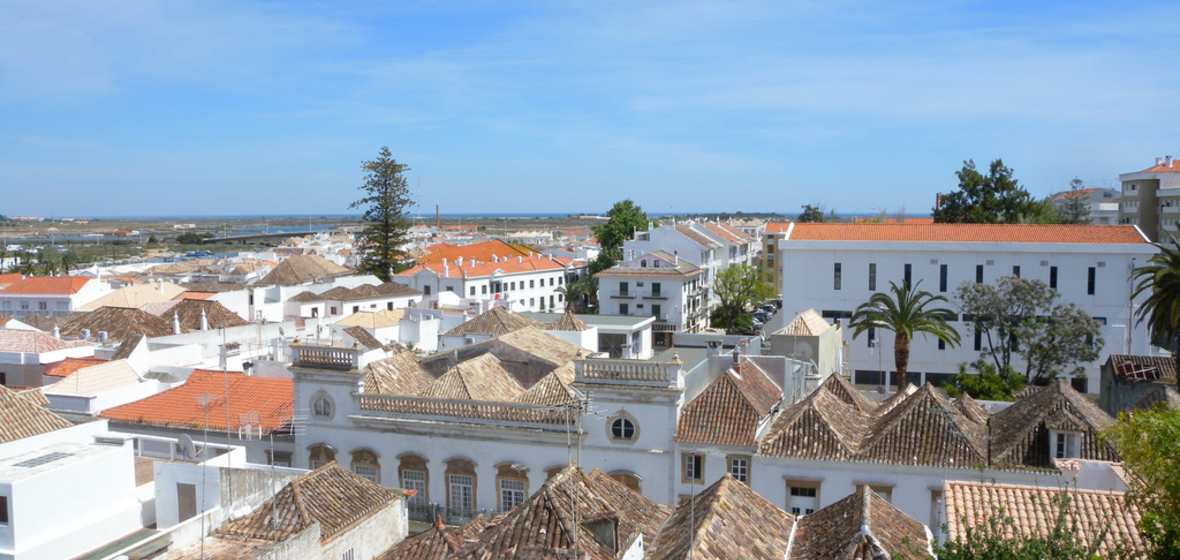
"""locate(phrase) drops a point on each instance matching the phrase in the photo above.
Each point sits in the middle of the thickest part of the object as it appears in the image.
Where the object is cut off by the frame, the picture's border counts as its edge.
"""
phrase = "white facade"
(50, 304)
(657, 286)
(512, 283)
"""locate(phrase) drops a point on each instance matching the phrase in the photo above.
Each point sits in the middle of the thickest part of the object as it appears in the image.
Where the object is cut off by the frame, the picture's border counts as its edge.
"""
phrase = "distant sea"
(445, 215)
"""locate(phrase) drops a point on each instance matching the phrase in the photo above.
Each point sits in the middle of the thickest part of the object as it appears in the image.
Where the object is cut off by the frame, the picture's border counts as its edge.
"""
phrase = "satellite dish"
(188, 447)
(803, 350)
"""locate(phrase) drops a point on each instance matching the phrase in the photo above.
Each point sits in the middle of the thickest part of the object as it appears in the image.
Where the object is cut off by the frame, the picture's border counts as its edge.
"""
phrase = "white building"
(50, 295)
(836, 267)
(658, 285)
(521, 283)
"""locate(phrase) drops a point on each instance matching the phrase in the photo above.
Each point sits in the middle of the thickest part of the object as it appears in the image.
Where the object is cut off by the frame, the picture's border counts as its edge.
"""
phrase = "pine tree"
(386, 228)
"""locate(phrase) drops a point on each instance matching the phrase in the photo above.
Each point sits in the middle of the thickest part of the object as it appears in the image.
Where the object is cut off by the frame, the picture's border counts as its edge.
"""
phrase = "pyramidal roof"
(25, 417)
(862, 525)
(496, 322)
(568, 322)
(480, 379)
(807, 323)
(728, 520)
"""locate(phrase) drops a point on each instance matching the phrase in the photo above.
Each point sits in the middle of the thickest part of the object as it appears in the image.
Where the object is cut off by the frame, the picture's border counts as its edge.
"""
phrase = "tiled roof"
(435, 543)
(907, 221)
(482, 269)
(399, 374)
(1021, 432)
(568, 322)
(1036, 509)
(479, 379)
(807, 323)
(728, 233)
(551, 390)
(543, 526)
(301, 269)
(331, 495)
(12, 340)
(365, 338)
(730, 409)
(180, 407)
(672, 266)
(481, 252)
(1164, 394)
(697, 237)
(127, 347)
(46, 324)
(136, 296)
(1143, 368)
(495, 322)
(189, 312)
(844, 390)
(862, 525)
(119, 323)
(777, 227)
(9, 279)
(215, 287)
(95, 380)
(969, 233)
(971, 409)
(50, 285)
(726, 521)
(365, 291)
(1162, 168)
(22, 417)
(373, 319)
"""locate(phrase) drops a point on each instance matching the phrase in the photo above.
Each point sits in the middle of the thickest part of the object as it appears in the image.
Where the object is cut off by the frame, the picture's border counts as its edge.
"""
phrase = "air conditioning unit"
(103, 336)
(86, 334)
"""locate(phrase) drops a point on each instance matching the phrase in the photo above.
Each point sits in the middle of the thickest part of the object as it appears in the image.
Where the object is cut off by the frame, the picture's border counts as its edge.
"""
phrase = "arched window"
(621, 427)
(366, 464)
(628, 479)
(461, 481)
(512, 485)
(320, 455)
(413, 474)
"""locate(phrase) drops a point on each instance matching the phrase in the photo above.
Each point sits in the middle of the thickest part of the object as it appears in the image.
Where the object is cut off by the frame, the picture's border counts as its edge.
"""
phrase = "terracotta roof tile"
(54, 285)
(726, 521)
(551, 390)
(46, 324)
(189, 312)
(12, 340)
(301, 269)
(481, 252)
(730, 409)
(118, 323)
(1036, 509)
(399, 374)
(135, 296)
(1021, 432)
(862, 525)
(1161, 168)
(807, 323)
(479, 379)
(969, 233)
(22, 417)
(498, 321)
(697, 237)
(95, 380)
(481, 269)
(179, 407)
(568, 322)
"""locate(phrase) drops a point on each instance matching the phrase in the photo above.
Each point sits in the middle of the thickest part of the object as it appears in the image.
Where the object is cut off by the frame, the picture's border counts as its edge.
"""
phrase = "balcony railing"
(475, 410)
(623, 294)
(656, 295)
(432, 512)
(325, 357)
(628, 372)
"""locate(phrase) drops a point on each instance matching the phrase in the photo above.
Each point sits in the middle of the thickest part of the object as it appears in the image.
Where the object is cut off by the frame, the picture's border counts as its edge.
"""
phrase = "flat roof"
(46, 459)
(595, 320)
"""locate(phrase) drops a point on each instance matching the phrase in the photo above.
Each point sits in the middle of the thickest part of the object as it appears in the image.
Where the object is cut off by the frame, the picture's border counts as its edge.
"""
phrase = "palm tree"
(570, 291)
(906, 312)
(1161, 278)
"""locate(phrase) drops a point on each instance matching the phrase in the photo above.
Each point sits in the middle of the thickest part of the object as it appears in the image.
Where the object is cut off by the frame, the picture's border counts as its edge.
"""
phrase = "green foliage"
(990, 540)
(1160, 280)
(385, 226)
(736, 288)
(624, 219)
(1147, 443)
(993, 199)
(1075, 210)
(190, 238)
(905, 312)
(980, 380)
(811, 214)
(731, 321)
(152, 240)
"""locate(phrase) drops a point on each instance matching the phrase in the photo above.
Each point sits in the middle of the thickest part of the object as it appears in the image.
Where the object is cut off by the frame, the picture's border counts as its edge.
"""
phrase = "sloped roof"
(136, 296)
(862, 525)
(399, 374)
(480, 269)
(179, 407)
(551, 390)
(69, 365)
(727, 232)
(306, 296)
(373, 319)
(48, 285)
(22, 417)
(95, 380)
(1143, 368)
(807, 323)
(331, 495)
(1036, 509)
(365, 338)
(480, 379)
(119, 323)
(697, 237)
(189, 312)
(821, 426)
(46, 324)
(730, 409)
(844, 390)
(543, 526)
(726, 521)
(495, 322)
(1165, 394)
(301, 269)
(672, 266)
(10, 279)
(435, 543)
(1021, 432)
(12, 340)
(971, 409)
(127, 347)
(568, 322)
(481, 252)
(968, 233)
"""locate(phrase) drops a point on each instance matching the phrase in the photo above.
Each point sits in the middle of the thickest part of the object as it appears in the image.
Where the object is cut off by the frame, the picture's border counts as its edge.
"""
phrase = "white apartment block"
(836, 267)
(519, 283)
(658, 285)
(1151, 199)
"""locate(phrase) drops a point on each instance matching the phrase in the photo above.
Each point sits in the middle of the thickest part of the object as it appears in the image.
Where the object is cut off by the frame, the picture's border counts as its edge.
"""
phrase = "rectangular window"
(979, 274)
(836, 277)
(4, 509)
(316, 464)
(872, 277)
(347, 555)
(655, 311)
(942, 277)
(367, 471)
(872, 339)
(655, 289)
(532, 283)
(462, 496)
(623, 310)
(512, 286)
(483, 289)
(511, 494)
(415, 480)
(941, 344)
(694, 468)
(473, 291)
(42, 305)
(978, 339)
(551, 301)
(802, 500)
(739, 468)
(909, 269)
(1090, 276)
(550, 281)
(886, 492)
(1016, 270)
(624, 288)
(1053, 277)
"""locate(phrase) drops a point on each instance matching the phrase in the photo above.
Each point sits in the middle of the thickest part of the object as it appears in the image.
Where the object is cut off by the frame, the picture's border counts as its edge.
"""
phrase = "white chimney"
(676, 257)
(459, 261)
(446, 269)
(204, 320)
(519, 259)
(495, 258)
(175, 323)
(1158, 160)
(1167, 161)
(160, 285)
(56, 332)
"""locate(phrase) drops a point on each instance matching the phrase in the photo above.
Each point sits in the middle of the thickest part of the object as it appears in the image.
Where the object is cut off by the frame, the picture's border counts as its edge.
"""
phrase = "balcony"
(628, 372)
(656, 295)
(623, 294)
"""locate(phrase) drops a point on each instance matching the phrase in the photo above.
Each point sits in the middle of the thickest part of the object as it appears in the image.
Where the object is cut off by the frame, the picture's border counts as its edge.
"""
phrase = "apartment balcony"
(619, 294)
(656, 295)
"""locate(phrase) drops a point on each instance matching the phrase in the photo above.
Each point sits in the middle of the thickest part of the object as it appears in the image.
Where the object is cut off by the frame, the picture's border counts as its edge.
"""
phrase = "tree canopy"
(737, 287)
(624, 219)
(385, 226)
(905, 311)
(811, 214)
(1159, 278)
(995, 198)
(1075, 210)
(1146, 441)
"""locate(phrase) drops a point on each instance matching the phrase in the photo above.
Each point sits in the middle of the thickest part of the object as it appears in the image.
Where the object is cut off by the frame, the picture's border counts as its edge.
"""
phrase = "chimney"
(519, 259)
(175, 323)
(676, 257)
(459, 261)
(160, 285)
(737, 357)
(1167, 161)
(495, 258)
(713, 347)
(1158, 160)
(56, 332)
(204, 320)
(446, 268)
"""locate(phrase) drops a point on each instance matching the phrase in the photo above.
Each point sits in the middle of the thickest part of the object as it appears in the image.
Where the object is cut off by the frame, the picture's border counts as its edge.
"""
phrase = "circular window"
(622, 428)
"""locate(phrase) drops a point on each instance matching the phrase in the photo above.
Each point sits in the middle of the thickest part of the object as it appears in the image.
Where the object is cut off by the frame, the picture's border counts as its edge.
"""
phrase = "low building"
(1126, 380)
(50, 295)
(24, 355)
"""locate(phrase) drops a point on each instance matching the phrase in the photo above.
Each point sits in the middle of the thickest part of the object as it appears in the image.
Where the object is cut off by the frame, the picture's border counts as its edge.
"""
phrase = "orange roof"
(1161, 168)
(908, 221)
(58, 285)
(777, 227)
(969, 233)
(509, 266)
(6, 279)
(481, 252)
(271, 399)
(69, 365)
(195, 295)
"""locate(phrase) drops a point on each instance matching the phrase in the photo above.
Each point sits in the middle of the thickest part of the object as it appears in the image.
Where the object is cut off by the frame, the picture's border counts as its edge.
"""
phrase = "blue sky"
(206, 107)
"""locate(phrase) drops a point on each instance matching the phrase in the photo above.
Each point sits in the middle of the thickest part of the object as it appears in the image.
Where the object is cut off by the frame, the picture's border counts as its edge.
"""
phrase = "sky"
(150, 108)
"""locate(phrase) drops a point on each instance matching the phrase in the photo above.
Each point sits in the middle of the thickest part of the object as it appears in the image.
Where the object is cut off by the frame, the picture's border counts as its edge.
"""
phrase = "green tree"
(1160, 280)
(570, 292)
(1146, 441)
(980, 380)
(68, 261)
(811, 214)
(385, 226)
(736, 288)
(1075, 210)
(624, 219)
(905, 312)
(189, 238)
(992, 199)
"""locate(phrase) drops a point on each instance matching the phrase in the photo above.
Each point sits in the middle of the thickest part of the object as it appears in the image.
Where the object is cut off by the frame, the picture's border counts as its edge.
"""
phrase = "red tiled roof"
(481, 268)
(271, 399)
(1161, 168)
(59, 285)
(6, 279)
(12, 340)
(907, 221)
(69, 365)
(481, 252)
(969, 233)
(777, 227)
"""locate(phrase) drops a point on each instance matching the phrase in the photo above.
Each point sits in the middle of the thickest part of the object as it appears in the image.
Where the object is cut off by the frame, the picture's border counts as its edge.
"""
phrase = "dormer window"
(1065, 445)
